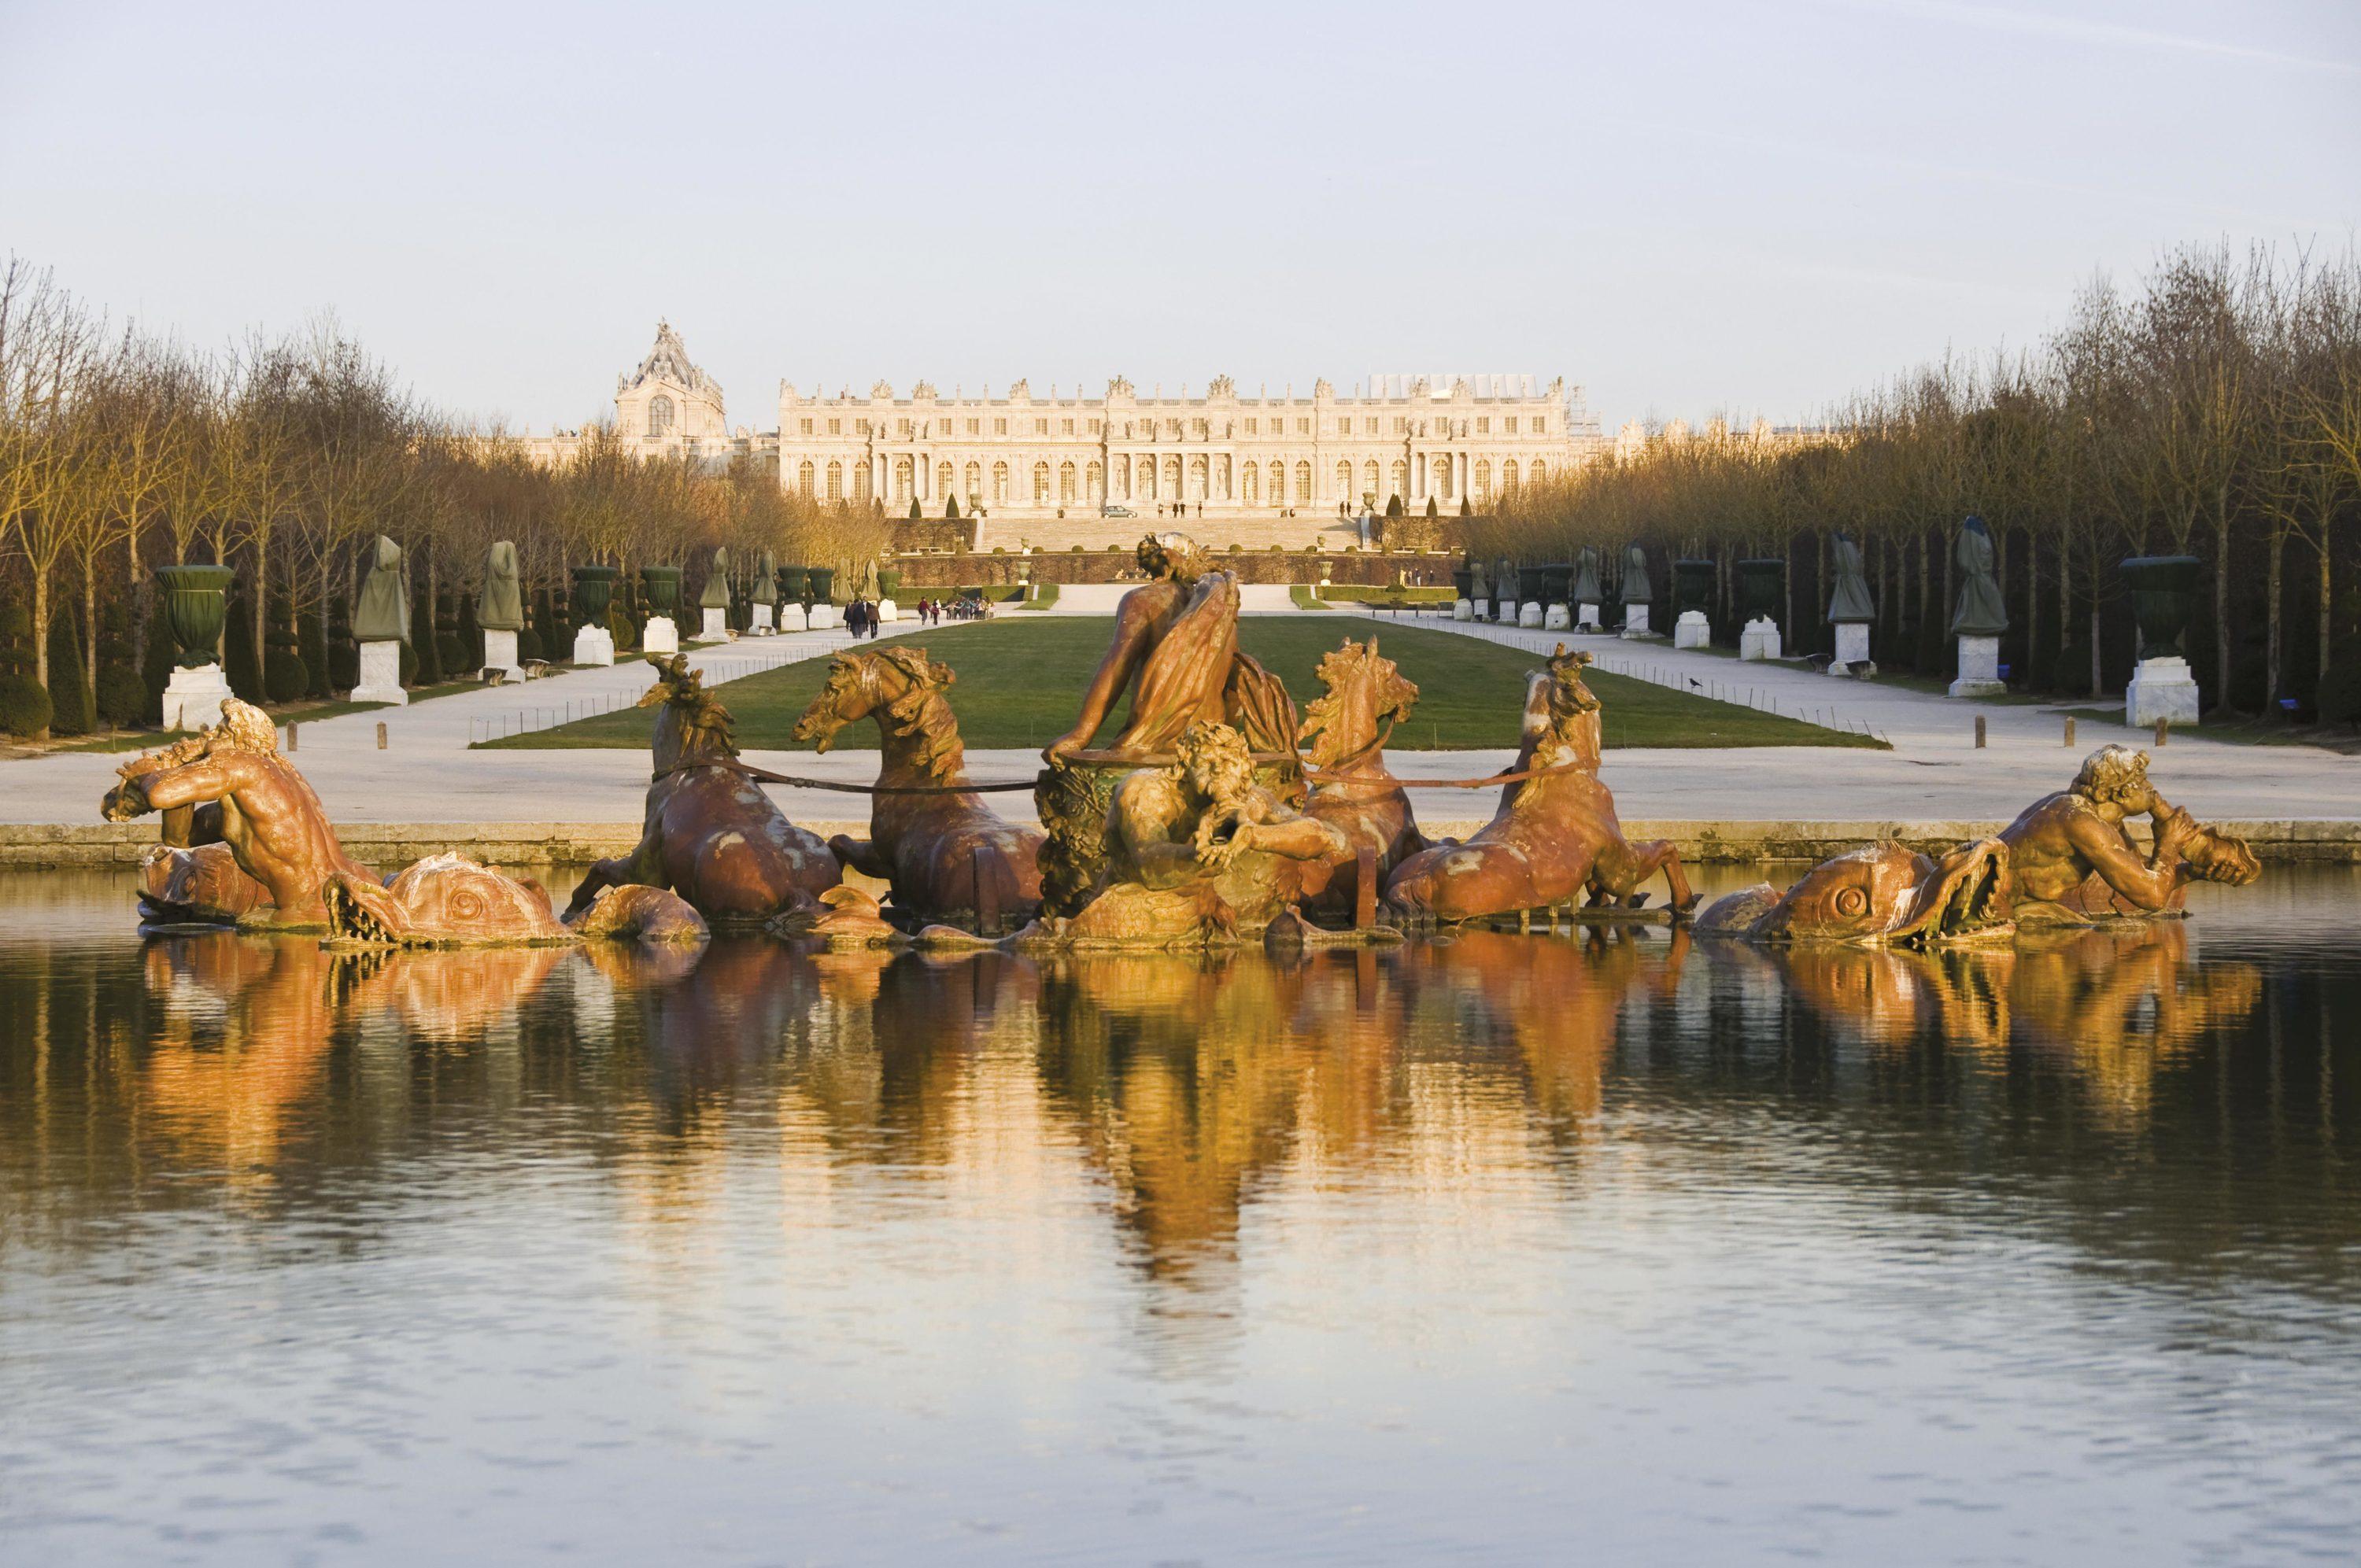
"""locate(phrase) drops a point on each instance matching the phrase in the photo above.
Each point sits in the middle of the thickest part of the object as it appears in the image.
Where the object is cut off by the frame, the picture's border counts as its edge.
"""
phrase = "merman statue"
(2071, 860)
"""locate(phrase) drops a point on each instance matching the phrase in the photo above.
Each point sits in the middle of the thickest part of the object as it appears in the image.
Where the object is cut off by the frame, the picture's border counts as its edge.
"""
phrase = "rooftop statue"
(499, 603)
(1197, 853)
(1347, 728)
(2073, 862)
(272, 825)
(382, 613)
(1553, 835)
(711, 836)
(450, 900)
(1882, 894)
(1980, 612)
(932, 848)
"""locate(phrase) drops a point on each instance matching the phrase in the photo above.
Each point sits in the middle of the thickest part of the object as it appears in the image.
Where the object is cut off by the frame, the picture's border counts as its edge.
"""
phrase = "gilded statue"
(1345, 730)
(273, 829)
(1198, 853)
(711, 835)
(1882, 894)
(947, 856)
(2073, 862)
(1553, 835)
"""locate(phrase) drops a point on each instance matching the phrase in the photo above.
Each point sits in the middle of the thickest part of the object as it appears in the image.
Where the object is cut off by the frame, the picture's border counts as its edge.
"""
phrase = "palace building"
(1023, 458)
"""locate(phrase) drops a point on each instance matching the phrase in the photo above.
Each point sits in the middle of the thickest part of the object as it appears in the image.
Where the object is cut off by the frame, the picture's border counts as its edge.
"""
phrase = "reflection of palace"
(1024, 457)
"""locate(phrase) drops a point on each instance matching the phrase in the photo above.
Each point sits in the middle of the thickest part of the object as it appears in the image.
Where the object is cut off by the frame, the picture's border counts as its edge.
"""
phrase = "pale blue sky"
(1749, 207)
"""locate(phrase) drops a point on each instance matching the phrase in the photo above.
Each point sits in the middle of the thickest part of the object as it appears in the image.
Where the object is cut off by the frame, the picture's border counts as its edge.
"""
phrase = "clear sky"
(1746, 207)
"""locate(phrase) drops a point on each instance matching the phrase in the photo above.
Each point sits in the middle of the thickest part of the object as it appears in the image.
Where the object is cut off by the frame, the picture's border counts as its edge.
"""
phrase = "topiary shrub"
(285, 675)
(620, 627)
(1393, 505)
(155, 664)
(1430, 511)
(311, 647)
(1075, 549)
(916, 515)
(409, 665)
(528, 645)
(950, 508)
(122, 696)
(245, 676)
(470, 635)
(23, 706)
(344, 654)
(425, 664)
(2338, 698)
(72, 712)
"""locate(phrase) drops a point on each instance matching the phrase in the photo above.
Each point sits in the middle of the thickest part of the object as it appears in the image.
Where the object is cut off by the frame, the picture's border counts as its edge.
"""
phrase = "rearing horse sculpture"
(713, 835)
(1347, 728)
(1553, 835)
(934, 849)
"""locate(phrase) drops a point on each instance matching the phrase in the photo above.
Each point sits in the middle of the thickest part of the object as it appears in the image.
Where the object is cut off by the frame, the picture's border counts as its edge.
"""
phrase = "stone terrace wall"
(951, 569)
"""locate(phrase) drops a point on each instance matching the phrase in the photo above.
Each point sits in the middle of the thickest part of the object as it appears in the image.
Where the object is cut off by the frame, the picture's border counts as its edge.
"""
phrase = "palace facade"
(1021, 457)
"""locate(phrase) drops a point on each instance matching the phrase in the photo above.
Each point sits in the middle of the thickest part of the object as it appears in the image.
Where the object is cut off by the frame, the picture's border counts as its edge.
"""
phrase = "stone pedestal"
(1979, 668)
(659, 636)
(791, 618)
(192, 698)
(593, 646)
(1529, 615)
(1692, 630)
(1587, 617)
(499, 652)
(764, 624)
(824, 617)
(1852, 650)
(1463, 609)
(380, 673)
(1759, 640)
(1557, 618)
(887, 610)
(715, 627)
(2160, 689)
(1635, 620)
(1479, 609)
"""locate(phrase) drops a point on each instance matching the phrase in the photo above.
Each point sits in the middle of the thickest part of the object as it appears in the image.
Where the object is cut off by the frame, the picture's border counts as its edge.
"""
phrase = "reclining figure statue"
(1197, 854)
(1552, 836)
(277, 848)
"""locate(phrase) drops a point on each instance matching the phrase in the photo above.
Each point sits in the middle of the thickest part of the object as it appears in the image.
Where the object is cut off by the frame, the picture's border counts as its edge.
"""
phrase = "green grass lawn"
(1020, 682)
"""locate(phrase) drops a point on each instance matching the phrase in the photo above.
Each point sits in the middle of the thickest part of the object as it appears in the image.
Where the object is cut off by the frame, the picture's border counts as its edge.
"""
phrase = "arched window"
(1251, 485)
(805, 476)
(1143, 472)
(835, 481)
(942, 480)
(1540, 474)
(1369, 481)
(974, 483)
(1095, 479)
(1065, 484)
(1508, 475)
(1401, 477)
(1000, 484)
(1197, 486)
(1303, 484)
(1172, 477)
(1345, 482)
(1483, 480)
(865, 482)
(659, 415)
(1040, 483)
(1442, 475)
(1277, 470)
(901, 480)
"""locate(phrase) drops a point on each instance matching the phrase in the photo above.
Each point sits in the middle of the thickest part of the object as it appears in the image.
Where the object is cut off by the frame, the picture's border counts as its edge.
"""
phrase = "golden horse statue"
(1347, 728)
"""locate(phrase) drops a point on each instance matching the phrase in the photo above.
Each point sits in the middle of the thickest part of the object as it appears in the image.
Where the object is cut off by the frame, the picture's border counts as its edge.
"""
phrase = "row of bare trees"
(2213, 410)
(284, 457)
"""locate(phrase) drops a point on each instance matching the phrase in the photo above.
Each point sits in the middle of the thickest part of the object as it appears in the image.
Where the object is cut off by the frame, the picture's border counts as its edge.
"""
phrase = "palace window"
(1402, 425)
(1541, 472)
(835, 481)
(1250, 485)
(1094, 427)
(1508, 475)
(1483, 480)
(942, 480)
(1303, 427)
(1000, 484)
(1441, 474)
(902, 479)
(1066, 482)
(805, 476)
(1203, 430)
(659, 415)
(1000, 427)
(1484, 424)
(1401, 476)
(1094, 477)
(1510, 425)
(836, 427)
(1143, 474)
(1040, 483)
(974, 483)
(1369, 425)
(975, 427)
(1172, 477)
(808, 427)
(1066, 427)
(1040, 427)
(1303, 482)
(1344, 425)
(1253, 427)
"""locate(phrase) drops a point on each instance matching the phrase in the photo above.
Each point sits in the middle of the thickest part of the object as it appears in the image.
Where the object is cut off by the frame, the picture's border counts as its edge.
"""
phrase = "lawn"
(1020, 681)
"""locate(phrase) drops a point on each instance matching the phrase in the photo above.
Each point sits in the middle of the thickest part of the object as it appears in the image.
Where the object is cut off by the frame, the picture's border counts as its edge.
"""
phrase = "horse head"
(1562, 718)
(693, 726)
(902, 689)
(1363, 691)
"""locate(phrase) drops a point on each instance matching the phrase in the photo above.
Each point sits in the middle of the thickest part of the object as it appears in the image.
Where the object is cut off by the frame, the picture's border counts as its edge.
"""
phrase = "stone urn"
(195, 606)
(1759, 586)
(793, 583)
(1692, 592)
(663, 585)
(889, 582)
(820, 599)
(594, 591)
(2164, 594)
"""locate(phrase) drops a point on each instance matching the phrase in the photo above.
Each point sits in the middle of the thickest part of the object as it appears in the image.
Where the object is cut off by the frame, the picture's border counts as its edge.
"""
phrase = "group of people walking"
(934, 611)
(860, 619)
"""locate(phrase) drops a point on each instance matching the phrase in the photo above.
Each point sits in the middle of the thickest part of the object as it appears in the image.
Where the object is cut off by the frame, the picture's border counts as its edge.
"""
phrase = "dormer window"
(659, 416)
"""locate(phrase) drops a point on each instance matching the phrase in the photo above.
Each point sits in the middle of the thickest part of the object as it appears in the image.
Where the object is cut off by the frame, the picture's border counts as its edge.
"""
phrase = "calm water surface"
(1508, 1250)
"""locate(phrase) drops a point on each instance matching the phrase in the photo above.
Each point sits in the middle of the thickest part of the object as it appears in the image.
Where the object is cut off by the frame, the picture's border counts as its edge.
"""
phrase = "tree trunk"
(2065, 608)
(2097, 683)
(1929, 657)
(2271, 623)
(2221, 597)
(2034, 673)
(41, 633)
(259, 624)
(2327, 609)
(90, 629)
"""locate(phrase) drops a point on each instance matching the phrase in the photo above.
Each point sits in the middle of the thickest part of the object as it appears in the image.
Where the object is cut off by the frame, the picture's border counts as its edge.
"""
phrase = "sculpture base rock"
(1692, 630)
(192, 698)
(382, 674)
(1760, 641)
(1979, 668)
(594, 646)
(2162, 690)
(715, 627)
(659, 636)
(1635, 620)
(1852, 650)
(499, 652)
